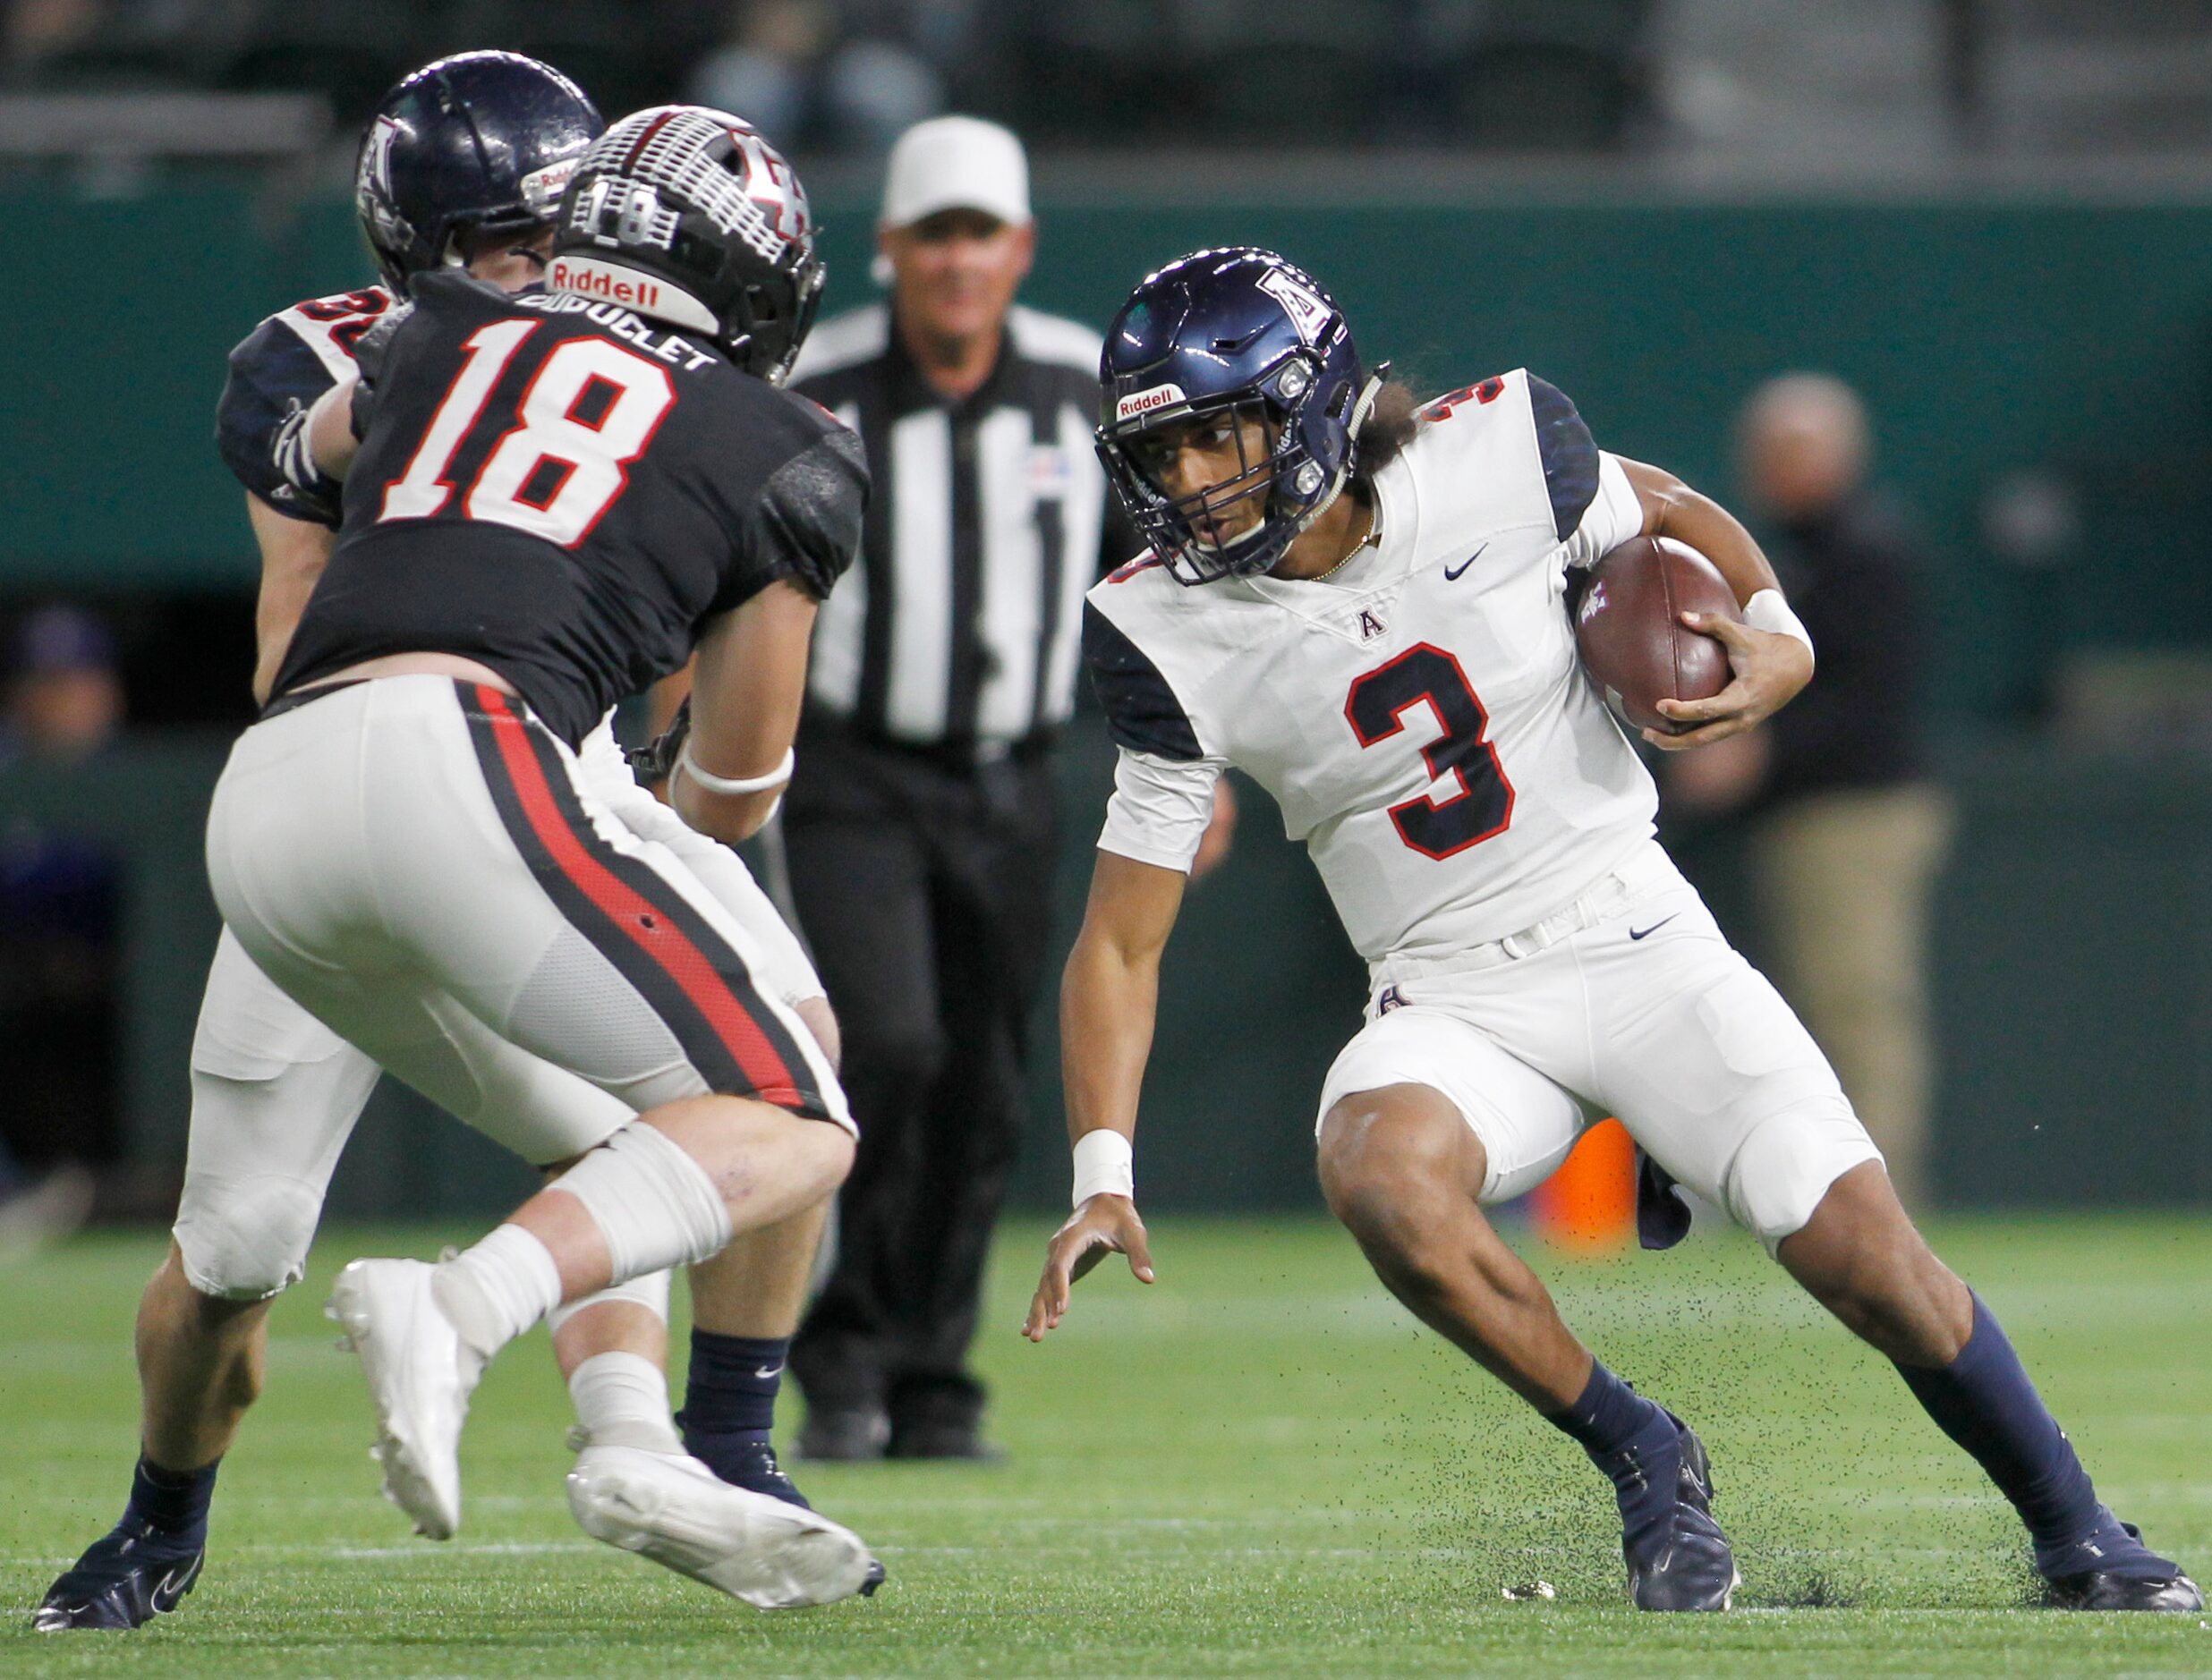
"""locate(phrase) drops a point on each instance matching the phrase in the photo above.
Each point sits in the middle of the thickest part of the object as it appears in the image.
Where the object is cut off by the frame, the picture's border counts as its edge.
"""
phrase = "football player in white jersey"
(1364, 606)
(462, 163)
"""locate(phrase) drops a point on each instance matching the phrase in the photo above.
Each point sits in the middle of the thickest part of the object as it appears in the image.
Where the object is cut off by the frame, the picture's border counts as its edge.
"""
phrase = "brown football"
(1630, 631)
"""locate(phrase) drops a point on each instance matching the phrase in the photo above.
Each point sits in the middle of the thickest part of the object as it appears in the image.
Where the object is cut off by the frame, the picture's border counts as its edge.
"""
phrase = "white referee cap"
(955, 163)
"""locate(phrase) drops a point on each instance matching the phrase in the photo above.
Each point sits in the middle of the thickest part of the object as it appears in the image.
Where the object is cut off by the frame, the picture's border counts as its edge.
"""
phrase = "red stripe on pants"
(651, 929)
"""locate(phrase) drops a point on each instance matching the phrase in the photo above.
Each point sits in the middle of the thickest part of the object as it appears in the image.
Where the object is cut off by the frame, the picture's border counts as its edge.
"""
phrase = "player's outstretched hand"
(1770, 669)
(1104, 1225)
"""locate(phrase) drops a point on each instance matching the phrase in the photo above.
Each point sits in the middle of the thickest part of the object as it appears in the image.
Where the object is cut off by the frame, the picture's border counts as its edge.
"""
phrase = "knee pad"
(1786, 1162)
(654, 1206)
(245, 1239)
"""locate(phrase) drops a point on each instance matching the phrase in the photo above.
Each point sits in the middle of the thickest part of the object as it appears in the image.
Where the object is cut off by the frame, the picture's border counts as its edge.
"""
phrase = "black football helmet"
(689, 216)
(477, 140)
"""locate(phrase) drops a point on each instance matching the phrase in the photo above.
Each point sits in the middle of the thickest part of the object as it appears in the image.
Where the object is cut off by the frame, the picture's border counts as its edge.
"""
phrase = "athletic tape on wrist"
(1767, 611)
(1104, 1165)
(653, 1204)
(650, 1291)
(738, 785)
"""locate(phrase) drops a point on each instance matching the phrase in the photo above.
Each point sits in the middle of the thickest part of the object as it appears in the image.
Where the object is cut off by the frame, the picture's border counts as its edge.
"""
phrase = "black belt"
(300, 697)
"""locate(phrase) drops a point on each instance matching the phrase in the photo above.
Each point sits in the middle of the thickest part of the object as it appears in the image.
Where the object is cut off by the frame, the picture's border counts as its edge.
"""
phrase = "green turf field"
(1257, 1467)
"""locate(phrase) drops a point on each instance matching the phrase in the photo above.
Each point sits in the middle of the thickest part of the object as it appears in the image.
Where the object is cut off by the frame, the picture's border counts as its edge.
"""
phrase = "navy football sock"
(1983, 1401)
(1609, 1414)
(1625, 1435)
(730, 1406)
(174, 1501)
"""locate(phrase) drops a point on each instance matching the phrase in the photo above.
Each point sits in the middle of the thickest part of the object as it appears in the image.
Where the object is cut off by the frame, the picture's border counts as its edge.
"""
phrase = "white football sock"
(654, 1206)
(497, 1289)
(622, 1400)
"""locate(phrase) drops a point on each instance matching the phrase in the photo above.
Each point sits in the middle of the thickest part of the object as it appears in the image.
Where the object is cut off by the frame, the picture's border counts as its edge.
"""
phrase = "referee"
(919, 824)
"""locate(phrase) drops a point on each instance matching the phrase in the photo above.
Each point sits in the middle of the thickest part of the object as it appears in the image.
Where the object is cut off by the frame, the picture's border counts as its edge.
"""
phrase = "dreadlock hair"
(1391, 426)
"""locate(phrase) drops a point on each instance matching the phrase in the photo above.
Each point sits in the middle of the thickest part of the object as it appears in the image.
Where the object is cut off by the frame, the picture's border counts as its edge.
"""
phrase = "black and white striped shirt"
(960, 624)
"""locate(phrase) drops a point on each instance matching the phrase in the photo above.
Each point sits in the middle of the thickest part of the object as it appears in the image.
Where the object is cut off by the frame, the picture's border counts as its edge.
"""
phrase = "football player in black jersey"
(552, 501)
(461, 168)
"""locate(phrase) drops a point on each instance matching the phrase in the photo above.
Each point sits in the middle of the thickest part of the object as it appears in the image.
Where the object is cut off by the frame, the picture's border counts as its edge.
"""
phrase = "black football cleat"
(962, 1441)
(1677, 1557)
(2113, 1570)
(129, 1575)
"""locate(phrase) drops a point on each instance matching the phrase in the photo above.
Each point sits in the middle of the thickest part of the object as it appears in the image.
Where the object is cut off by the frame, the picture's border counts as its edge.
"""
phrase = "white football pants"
(1629, 1003)
(276, 1092)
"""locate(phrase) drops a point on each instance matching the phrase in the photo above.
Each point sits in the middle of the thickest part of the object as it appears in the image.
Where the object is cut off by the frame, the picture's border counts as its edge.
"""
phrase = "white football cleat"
(420, 1379)
(672, 1509)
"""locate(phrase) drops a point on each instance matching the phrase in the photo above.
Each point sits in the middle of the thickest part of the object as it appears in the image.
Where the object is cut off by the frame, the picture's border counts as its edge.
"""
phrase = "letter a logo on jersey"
(1370, 626)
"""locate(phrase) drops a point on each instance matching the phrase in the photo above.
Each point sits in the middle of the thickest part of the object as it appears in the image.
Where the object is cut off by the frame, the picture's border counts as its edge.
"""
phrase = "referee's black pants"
(925, 886)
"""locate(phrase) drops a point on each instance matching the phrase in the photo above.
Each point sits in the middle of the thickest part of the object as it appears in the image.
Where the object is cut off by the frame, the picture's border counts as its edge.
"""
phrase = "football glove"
(655, 762)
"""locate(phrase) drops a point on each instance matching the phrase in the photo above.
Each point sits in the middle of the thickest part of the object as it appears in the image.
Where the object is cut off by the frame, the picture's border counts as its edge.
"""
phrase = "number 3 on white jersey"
(634, 396)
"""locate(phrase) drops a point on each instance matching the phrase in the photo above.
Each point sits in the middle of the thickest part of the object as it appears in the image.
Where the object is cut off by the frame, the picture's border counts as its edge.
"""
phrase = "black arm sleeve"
(804, 524)
(1141, 709)
(372, 355)
(1568, 453)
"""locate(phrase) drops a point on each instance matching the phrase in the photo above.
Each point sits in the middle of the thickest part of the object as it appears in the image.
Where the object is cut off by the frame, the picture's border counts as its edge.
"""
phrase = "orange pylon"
(1590, 1202)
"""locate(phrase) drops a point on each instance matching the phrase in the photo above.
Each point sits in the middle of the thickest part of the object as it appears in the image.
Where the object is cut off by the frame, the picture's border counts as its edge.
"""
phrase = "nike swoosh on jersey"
(1453, 574)
(1638, 933)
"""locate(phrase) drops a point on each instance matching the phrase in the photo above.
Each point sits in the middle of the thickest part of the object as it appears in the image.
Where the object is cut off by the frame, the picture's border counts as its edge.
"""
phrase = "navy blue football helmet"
(477, 140)
(1234, 330)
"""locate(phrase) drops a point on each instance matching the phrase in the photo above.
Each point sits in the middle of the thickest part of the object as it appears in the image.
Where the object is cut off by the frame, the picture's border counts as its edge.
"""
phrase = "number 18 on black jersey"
(557, 489)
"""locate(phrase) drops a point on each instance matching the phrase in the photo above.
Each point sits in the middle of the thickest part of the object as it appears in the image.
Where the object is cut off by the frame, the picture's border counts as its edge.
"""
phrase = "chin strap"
(1361, 409)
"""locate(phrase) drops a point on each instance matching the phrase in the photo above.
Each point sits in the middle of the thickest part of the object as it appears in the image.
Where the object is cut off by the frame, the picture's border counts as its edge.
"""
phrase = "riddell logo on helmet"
(1143, 402)
(604, 280)
(542, 187)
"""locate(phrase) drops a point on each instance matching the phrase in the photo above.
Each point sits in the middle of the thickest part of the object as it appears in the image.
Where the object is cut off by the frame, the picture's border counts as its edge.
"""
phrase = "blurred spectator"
(60, 910)
(65, 698)
(33, 31)
(846, 76)
(1845, 835)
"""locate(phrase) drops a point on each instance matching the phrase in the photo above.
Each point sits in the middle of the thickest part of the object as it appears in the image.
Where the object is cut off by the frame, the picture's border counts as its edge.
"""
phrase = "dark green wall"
(2073, 989)
(1986, 336)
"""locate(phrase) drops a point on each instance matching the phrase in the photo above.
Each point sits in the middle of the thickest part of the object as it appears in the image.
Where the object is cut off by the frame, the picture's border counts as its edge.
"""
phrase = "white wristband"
(734, 785)
(1103, 1165)
(1767, 611)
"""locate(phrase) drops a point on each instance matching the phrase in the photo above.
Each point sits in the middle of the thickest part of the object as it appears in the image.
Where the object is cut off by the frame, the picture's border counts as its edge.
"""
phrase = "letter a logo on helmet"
(704, 224)
(1309, 312)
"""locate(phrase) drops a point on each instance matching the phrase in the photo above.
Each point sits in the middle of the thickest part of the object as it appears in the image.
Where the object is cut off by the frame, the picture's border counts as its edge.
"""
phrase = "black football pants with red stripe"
(926, 894)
